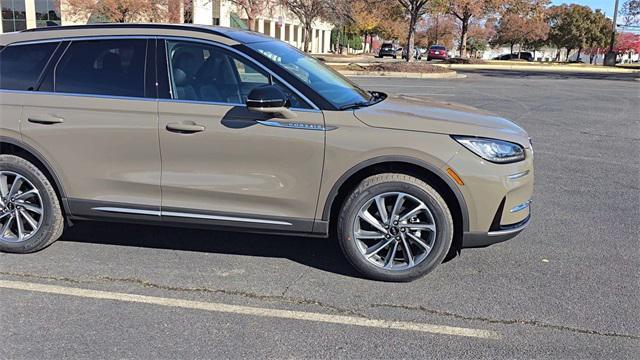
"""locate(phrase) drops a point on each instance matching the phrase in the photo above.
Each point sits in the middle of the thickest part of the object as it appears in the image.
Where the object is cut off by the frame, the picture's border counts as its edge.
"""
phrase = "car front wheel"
(30, 214)
(395, 227)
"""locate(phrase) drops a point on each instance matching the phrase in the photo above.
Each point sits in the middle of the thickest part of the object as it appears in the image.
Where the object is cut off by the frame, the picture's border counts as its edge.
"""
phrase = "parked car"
(416, 54)
(219, 127)
(389, 49)
(437, 52)
(516, 56)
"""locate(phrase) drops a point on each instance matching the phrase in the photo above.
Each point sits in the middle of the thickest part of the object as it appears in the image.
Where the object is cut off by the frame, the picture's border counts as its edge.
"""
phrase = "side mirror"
(269, 99)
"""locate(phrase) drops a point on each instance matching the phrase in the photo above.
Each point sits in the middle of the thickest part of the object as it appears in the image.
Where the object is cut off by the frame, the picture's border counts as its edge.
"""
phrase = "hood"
(407, 113)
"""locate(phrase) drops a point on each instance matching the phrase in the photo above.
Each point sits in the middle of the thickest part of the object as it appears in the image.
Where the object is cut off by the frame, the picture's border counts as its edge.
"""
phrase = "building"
(276, 21)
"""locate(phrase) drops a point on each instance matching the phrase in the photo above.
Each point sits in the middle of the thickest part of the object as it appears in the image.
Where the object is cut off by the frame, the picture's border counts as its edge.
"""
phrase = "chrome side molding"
(130, 211)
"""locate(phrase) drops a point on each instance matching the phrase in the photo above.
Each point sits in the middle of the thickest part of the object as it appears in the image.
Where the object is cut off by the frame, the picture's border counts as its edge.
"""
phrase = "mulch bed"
(412, 67)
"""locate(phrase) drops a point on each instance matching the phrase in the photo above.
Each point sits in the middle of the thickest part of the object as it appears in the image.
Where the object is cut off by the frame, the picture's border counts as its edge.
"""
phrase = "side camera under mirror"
(269, 99)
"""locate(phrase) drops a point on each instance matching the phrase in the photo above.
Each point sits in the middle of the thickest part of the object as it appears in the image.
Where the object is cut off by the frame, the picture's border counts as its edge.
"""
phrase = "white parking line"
(246, 310)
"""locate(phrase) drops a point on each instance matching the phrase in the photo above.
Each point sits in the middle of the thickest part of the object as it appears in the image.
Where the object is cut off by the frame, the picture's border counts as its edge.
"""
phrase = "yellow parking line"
(247, 310)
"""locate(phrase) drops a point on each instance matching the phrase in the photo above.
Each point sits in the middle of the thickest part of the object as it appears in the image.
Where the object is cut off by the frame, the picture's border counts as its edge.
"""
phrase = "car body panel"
(239, 165)
(428, 115)
(107, 148)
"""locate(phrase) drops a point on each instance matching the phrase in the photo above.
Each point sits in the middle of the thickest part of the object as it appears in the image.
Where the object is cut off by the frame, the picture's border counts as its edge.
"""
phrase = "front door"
(226, 165)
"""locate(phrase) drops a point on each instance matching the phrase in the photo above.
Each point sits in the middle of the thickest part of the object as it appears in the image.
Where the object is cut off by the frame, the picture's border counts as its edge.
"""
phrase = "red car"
(438, 52)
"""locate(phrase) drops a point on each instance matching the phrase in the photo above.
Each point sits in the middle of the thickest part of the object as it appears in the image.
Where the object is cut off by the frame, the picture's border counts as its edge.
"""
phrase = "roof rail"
(188, 27)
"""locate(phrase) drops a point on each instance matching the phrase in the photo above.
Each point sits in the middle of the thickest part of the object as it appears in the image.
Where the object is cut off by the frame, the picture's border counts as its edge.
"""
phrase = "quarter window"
(21, 65)
(201, 72)
(103, 67)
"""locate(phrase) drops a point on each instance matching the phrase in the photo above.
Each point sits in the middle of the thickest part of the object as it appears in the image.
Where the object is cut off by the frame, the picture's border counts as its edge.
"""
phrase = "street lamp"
(610, 57)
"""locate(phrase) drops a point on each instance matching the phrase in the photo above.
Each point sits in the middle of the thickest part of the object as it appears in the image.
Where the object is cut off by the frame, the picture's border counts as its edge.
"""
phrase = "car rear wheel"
(30, 214)
(395, 227)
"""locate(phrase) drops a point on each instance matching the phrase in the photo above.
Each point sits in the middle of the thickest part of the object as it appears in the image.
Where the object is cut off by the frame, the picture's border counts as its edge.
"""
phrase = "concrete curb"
(403, 75)
(550, 68)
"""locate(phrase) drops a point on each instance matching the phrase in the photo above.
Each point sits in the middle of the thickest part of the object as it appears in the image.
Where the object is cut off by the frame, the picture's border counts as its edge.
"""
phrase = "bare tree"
(253, 8)
(415, 9)
(307, 12)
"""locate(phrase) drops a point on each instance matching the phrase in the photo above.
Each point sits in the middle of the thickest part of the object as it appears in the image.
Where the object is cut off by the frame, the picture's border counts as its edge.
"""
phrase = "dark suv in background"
(388, 49)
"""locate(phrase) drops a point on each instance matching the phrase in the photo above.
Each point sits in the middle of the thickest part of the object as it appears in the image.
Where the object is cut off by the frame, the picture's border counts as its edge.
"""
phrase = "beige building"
(276, 21)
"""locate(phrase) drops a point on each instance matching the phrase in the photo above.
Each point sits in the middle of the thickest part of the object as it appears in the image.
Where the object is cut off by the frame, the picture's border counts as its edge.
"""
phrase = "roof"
(233, 35)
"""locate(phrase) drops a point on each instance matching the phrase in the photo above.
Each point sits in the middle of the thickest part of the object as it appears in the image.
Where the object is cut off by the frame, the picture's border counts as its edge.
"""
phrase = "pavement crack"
(148, 284)
(286, 289)
(506, 321)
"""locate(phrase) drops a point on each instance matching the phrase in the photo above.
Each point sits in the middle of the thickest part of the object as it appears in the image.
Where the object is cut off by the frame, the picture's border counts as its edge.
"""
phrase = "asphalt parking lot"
(568, 287)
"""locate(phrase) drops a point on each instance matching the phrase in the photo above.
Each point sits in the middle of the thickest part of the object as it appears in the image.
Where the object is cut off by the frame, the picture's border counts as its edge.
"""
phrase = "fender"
(403, 159)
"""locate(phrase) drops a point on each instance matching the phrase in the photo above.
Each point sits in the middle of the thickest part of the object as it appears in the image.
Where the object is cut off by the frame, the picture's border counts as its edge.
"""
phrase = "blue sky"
(605, 5)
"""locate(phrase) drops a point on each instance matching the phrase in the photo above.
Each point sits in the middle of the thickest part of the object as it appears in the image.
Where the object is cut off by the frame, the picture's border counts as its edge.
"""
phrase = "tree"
(252, 8)
(415, 9)
(598, 36)
(631, 12)
(627, 43)
(119, 11)
(307, 12)
(440, 30)
(522, 22)
(466, 11)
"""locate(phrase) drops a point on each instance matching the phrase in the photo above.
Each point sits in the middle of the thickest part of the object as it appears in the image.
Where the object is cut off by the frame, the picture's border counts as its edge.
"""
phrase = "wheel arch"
(11, 146)
(405, 165)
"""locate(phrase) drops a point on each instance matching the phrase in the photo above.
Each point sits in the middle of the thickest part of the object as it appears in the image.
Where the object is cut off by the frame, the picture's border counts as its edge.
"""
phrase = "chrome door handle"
(48, 120)
(185, 128)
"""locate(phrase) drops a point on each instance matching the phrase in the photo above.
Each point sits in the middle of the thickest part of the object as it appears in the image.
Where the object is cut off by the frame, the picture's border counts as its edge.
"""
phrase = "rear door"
(234, 167)
(95, 120)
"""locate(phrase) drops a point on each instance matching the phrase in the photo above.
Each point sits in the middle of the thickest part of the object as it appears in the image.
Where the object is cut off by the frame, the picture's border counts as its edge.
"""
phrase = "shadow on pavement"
(552, 74)
(320, 253)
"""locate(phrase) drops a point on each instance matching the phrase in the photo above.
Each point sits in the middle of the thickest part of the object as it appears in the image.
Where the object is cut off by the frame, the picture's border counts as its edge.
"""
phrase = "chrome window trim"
(49, 93)
(250, 59)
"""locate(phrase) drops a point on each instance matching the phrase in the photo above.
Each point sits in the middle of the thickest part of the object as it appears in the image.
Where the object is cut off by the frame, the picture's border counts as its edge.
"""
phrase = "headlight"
(497, 151)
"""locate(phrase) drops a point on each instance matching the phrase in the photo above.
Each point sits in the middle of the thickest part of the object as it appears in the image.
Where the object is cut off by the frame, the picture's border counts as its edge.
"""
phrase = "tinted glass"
(201, 72)
(328, 83)
(103, 67)
(21, 65)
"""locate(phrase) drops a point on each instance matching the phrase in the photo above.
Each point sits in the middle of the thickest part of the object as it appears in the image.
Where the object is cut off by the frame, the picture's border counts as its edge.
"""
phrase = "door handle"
(185, 128)
(48, 120)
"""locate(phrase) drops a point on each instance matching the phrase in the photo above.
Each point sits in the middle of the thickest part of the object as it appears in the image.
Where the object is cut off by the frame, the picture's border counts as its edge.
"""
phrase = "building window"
(47, 13)
(267, 27)
(14, 17)
(287, 32)
(295, 33)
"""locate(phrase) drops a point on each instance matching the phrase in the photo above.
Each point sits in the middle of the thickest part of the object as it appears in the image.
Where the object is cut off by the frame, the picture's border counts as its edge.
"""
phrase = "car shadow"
(320, 253)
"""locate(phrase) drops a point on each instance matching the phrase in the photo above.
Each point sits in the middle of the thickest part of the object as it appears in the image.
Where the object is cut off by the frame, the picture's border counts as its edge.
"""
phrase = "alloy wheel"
(394, 231)
(21, 208)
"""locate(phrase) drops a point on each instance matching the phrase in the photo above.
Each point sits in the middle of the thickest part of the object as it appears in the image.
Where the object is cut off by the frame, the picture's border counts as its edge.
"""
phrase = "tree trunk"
(463, 37)
(511, 49)
(558, 55)
(411, 37)
(568, 52)
(578, 56)
(308, 37)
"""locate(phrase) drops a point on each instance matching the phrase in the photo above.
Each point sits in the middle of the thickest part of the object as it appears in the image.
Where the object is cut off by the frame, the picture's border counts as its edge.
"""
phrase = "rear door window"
(22, 65)
(103, 67)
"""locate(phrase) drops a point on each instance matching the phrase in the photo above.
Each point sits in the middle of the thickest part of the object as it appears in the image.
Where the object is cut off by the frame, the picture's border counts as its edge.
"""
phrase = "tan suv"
(212, 126)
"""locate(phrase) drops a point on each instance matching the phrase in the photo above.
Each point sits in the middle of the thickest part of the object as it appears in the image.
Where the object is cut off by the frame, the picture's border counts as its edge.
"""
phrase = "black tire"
(383, 183)
(52, 223)
(428, 59)
(395, 56)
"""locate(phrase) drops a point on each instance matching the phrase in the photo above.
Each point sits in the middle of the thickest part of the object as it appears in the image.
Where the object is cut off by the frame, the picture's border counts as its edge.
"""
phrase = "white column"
(30, 9)
(203, 12)
(300, 43)
(291, 32)
(260, 28)
(327, 40)
(272, 29)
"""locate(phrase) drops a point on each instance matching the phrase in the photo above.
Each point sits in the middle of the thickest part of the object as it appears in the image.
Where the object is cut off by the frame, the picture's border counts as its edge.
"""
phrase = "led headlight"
(497, 151)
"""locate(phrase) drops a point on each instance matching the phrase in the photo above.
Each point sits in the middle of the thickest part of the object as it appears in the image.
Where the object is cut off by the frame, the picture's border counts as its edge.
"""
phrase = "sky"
(605, 5)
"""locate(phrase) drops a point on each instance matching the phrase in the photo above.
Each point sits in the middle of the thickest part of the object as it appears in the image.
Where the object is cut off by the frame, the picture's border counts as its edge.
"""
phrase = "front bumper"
(477, 240)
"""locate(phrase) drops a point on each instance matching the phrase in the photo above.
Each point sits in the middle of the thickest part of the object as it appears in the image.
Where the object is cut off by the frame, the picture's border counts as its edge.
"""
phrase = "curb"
(404, 75)
(550, 68)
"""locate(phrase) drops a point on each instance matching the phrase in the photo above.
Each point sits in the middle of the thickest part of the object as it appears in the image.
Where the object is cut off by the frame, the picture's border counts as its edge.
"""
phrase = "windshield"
(332, 86)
